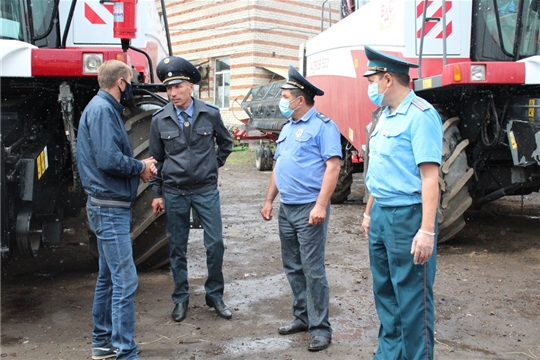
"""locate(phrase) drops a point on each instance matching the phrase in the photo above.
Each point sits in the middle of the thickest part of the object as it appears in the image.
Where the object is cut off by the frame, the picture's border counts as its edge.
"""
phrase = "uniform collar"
(306, 116)
(403, 107)
(188, 111)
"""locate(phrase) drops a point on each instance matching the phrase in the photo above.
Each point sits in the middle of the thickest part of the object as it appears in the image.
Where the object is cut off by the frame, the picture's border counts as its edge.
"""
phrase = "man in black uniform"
(183, 138)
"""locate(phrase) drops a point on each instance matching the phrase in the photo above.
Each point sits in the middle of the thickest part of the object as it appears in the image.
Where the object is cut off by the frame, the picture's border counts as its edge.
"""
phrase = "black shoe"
(179, 312)
(105, 352)
(292, 328)
(319, 343)
(221, 309)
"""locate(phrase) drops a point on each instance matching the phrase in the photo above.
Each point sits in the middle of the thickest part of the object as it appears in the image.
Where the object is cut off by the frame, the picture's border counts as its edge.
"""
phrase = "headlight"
(91, 63)
(478, 72)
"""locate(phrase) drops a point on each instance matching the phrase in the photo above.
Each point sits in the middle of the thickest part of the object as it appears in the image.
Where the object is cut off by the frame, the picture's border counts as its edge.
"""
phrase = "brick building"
(238, 44)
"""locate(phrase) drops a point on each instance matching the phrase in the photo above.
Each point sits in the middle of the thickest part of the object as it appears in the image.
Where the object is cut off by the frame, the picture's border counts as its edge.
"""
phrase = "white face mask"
(285, 109)
(373, 93)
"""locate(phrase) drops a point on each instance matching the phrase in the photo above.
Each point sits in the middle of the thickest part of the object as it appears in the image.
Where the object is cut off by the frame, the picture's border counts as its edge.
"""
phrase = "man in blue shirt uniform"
(306, 172)
(405, 151)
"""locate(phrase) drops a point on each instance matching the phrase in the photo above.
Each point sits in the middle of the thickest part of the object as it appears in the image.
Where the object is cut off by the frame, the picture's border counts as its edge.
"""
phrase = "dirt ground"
(487, 289)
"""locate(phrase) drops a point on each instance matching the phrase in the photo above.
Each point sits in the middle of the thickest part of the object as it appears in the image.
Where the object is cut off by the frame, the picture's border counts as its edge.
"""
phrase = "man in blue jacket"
(110, 176)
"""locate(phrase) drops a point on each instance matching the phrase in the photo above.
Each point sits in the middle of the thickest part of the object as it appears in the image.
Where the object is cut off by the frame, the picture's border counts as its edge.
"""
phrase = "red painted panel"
(496, 73)
(65, 62)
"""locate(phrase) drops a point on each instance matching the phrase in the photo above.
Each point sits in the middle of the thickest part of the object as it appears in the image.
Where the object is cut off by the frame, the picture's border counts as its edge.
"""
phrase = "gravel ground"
(487, 289)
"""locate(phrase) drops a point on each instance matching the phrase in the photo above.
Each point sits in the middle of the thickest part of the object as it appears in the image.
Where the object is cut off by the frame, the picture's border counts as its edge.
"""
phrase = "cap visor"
(370, 72)
(173, 82)
(288, 86)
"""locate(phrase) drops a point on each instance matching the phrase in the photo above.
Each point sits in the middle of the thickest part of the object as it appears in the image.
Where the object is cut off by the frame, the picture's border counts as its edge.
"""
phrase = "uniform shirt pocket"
(170, 140)
(391, 141)
(204, 131)
(303, 145)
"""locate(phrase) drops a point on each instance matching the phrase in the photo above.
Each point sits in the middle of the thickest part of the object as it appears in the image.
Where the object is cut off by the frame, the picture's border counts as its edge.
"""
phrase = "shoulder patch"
(157, 112)
(323, 117)
(421, 104)
(212, 106)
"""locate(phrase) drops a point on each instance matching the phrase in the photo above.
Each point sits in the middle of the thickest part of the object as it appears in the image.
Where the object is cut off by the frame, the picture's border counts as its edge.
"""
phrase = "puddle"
(244, 345)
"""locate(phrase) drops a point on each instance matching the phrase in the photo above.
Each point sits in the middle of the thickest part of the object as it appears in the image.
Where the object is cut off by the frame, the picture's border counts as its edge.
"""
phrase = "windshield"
(37, 27)
(530, 37)
(501, 19)
(10, 17)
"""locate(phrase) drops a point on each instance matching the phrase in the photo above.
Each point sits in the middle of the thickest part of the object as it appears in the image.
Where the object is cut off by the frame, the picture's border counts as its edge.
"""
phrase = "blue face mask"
(126, 94)
(373, 93)
(285, 109)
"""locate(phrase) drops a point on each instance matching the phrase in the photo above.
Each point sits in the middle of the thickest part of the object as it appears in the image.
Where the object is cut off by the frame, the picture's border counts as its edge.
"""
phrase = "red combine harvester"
(479, 66)
(49, 53)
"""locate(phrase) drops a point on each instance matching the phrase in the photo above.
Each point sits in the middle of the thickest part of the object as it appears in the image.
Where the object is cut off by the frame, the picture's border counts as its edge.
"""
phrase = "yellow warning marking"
(39, 168)
(426, 83)
(512, 140)
(42, 162)
(355, 63)
(531, 110)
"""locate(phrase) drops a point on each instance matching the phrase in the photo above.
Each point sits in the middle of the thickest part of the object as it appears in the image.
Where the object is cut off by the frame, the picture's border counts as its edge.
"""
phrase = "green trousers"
(403, 291)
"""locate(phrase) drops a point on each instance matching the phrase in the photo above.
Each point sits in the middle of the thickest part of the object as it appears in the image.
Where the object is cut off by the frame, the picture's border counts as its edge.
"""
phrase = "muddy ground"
(487, 289)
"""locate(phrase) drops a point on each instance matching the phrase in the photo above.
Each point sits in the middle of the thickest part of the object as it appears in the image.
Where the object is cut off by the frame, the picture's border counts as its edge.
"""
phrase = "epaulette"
(212, 106)
(323, 117)
(157, 112)
(420, 103)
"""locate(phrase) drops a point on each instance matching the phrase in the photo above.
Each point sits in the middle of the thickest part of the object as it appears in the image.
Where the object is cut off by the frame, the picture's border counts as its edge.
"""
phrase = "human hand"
(157, 205)
(365, 224)
(150, 170)
(317, 215)
(422, 246)
(266, 211)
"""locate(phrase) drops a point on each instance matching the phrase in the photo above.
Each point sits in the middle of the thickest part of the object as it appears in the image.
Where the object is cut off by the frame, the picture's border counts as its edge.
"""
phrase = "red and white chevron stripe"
(433, 29)
(98, 14)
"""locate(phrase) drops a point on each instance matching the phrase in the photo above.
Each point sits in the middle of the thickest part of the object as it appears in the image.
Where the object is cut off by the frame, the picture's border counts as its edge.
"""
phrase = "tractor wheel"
(264, 159)
(345, 180)
(454, 175)
(148, 231)
(28, 231)
(268, 159)
(259, 159)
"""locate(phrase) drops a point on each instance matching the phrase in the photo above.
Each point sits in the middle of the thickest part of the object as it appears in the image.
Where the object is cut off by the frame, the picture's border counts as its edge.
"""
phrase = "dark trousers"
(403, 291)
(302, 253)
(177, 210)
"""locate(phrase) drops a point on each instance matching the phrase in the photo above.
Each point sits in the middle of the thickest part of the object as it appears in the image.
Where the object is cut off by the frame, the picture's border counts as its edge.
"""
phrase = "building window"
(222, 80)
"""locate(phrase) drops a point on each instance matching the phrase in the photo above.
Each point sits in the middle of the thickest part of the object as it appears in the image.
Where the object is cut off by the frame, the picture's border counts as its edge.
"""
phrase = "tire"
(345, 180)
(268, 159)
(148, 231)
(264, 159)
(454, 175)
(259, 164)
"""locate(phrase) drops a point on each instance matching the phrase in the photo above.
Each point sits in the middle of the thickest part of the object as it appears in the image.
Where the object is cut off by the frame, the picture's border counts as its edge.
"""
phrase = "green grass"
(245, 156)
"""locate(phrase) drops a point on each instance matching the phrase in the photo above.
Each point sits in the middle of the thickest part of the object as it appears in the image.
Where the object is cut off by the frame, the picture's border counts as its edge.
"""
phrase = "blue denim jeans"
(113, 311)
(177, 209)
(302, 253)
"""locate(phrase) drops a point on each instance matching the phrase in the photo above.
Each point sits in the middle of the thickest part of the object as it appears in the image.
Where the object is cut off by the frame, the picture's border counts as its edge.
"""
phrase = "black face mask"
(126, 94)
